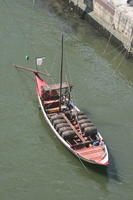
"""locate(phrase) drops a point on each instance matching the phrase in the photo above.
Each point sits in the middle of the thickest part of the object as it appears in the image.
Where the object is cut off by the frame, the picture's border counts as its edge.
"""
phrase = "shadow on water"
(87, 170)
(109, 171)
(112, 170)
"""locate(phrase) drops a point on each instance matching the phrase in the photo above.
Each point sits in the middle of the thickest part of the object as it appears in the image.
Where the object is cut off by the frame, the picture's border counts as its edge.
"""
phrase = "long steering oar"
(32, 70)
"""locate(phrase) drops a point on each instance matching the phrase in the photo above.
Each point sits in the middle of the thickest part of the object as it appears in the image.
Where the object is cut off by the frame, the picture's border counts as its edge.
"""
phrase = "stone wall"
(120, 19)
(123, 22)
(104, 11)
(115, 16)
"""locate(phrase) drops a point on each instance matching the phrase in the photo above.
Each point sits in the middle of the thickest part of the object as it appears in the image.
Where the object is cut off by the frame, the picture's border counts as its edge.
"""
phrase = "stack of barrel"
(62, 127)
(86, 125)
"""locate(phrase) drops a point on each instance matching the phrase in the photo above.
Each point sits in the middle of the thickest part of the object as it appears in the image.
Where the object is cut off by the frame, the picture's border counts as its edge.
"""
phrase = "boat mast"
(61, 74)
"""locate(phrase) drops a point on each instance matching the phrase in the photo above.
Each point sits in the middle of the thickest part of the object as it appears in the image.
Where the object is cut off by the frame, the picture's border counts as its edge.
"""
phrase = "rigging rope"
(107, 43)
(82, 164)
(123, 49)
(120, 46)
(120, 62)
(68, 77)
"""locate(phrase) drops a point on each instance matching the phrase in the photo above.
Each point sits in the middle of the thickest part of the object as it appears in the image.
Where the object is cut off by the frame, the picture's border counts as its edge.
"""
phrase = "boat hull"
(78, 154)
(71, 126)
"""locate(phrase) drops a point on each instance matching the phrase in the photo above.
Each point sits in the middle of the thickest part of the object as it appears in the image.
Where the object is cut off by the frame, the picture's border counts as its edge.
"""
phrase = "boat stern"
(94, 154)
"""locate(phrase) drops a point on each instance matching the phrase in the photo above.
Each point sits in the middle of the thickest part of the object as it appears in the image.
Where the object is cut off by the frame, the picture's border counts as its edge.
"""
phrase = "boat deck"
(96, 153)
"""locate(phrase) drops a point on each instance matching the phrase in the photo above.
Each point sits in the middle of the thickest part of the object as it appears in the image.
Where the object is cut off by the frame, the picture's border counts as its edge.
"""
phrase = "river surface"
(34, 165)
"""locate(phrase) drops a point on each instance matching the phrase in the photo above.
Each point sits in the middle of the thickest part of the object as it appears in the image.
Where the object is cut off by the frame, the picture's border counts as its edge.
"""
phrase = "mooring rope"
(83, 165)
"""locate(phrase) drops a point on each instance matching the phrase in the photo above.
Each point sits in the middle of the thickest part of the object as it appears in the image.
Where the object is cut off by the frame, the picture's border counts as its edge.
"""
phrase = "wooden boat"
(71, 126)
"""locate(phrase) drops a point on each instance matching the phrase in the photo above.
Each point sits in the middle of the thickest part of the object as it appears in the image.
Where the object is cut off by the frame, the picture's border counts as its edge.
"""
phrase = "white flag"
(39, 61)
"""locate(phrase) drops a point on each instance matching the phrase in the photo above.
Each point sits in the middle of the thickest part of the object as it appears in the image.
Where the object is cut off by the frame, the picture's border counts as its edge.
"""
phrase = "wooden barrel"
(67, 135)
(61, 125)
(82, 117)
(58, 121)
(80, 113)
(63, 129)
(90, 131)
(83, 121)
(84, 125)
(54, 117)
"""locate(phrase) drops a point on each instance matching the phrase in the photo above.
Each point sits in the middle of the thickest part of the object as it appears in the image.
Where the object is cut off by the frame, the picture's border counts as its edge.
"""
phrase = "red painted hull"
(89, 153)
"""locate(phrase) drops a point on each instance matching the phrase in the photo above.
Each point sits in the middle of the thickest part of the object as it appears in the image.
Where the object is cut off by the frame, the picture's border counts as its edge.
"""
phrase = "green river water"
(34, 165)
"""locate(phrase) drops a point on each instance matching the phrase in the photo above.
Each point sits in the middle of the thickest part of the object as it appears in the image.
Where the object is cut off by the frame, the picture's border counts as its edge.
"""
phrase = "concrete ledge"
(109, 19)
